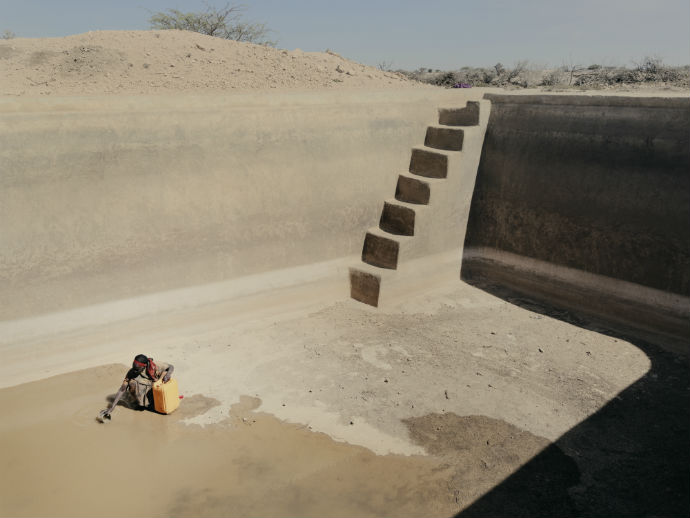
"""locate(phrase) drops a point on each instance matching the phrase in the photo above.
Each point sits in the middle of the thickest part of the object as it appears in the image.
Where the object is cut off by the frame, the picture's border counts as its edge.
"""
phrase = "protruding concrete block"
(383, 288)
(412, 190)
(365, 287)
(444, 137)
(380, 251)
(429, 163)
(397, 219)
(468, 116)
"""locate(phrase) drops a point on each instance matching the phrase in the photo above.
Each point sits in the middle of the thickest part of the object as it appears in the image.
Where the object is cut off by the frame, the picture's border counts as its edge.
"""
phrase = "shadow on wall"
(583, 203)
(631, 458)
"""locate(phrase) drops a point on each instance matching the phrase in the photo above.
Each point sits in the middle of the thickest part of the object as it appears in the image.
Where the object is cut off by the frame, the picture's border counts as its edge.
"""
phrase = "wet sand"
(60, 462)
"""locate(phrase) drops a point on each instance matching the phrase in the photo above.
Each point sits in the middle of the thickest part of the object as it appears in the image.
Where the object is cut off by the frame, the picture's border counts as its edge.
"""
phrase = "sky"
(409, 34)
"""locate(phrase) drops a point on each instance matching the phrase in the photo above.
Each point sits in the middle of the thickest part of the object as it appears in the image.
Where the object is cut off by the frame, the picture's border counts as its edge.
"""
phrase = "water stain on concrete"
(482, 452)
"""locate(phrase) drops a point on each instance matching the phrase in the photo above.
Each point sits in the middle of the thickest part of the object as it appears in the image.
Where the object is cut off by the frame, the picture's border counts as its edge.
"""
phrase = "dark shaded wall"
(584, 202)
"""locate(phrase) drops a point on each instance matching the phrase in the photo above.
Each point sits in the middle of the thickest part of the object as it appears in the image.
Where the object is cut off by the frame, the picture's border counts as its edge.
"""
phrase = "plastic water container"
(165, 396)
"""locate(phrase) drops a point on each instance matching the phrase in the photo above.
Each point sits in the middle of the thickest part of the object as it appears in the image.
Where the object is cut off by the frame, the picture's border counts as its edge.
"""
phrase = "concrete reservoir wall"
(112, 198)
(584, 202)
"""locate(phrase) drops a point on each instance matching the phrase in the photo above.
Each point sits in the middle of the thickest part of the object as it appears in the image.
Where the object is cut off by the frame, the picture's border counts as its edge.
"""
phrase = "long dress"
(141, 384)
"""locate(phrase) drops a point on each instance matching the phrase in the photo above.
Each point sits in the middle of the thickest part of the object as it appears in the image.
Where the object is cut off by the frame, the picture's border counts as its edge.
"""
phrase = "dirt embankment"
(145, 62)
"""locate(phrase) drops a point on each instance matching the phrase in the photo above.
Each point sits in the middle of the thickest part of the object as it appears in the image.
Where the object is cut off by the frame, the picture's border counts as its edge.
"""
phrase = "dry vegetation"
(649, 72)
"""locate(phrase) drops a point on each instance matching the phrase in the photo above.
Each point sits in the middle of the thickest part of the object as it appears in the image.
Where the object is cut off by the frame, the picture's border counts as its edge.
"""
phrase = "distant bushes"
(497, 75)
(649, 71)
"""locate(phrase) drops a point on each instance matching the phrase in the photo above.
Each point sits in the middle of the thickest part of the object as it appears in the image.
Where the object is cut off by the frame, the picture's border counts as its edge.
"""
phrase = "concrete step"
(381, 249)
(428, 163)
(397, 218)
(448, 138)
(379, 287)
(467, 116)
(365, 284)
(412, 189)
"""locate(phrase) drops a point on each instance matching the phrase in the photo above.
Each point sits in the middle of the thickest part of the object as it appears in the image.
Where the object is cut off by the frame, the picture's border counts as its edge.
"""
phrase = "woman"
(139, 381)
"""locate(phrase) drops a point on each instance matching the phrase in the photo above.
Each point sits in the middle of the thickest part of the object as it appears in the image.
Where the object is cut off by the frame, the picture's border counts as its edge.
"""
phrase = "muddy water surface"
(58, 461)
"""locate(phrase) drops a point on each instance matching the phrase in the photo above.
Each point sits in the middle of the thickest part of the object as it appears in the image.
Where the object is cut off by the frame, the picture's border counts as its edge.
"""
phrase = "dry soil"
(146, 62)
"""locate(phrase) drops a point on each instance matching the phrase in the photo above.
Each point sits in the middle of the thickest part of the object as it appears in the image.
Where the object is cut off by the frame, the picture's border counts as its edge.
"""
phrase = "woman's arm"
(118, 396)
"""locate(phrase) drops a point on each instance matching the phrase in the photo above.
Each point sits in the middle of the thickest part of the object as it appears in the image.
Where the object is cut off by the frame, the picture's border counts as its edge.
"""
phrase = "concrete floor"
(482, 387)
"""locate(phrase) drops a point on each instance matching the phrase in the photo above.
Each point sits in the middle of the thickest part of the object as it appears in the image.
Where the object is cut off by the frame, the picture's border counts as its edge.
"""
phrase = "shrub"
(224, 22)
(674, 75)
(650, 65)
(446, 79)
(553, 78)
(475, 76)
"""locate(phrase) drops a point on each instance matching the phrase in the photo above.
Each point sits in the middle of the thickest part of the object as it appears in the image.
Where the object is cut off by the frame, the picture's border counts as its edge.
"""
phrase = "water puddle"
(60, 462)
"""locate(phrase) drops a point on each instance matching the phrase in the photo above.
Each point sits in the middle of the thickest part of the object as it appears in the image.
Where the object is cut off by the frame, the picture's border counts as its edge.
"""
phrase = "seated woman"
(139, 381)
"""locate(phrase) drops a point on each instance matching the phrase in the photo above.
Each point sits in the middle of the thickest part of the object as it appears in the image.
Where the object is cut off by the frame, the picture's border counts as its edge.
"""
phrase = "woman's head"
(140, 362)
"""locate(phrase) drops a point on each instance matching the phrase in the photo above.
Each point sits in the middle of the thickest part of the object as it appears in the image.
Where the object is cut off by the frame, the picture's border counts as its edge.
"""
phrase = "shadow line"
(630, 458)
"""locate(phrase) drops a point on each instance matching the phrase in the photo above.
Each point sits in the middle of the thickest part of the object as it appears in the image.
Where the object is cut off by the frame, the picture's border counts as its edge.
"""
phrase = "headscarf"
(150, 368)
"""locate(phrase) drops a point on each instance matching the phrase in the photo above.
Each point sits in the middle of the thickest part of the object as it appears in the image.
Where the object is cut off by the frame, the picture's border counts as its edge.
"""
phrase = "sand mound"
(145, 62)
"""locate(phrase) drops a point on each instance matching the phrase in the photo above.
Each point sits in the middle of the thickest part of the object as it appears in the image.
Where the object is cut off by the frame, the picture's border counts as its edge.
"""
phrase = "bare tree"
(222, 22)
(571, 68)
(518, 69)
(515, 73)
(649, 65)
(385, 66)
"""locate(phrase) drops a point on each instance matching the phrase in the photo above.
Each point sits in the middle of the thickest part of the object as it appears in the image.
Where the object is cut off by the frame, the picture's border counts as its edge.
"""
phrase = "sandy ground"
(336, 409)
(146, 62)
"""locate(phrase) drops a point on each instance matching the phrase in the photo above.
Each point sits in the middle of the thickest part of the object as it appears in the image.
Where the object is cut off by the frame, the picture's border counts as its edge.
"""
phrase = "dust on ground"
(172, 61)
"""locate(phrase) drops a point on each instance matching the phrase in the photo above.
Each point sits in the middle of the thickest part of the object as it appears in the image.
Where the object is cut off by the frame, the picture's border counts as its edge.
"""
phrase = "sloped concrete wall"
(585, 202)
(104, 198)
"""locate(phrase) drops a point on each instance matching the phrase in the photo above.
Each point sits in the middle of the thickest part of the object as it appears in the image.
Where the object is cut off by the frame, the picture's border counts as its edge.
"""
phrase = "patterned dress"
(141, 384)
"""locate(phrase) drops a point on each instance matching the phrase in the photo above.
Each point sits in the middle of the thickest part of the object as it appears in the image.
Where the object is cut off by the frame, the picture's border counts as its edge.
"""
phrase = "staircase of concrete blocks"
(421, 230)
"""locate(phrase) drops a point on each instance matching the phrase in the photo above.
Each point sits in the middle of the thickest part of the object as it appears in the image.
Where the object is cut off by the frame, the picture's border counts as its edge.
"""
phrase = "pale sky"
(443, 34)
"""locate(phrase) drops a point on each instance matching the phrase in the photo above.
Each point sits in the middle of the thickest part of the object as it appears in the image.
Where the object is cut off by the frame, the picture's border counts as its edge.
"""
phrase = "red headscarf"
(150, 368)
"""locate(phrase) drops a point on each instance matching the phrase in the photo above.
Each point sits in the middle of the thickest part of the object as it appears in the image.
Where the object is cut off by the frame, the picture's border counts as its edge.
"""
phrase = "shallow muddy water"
(60, 462)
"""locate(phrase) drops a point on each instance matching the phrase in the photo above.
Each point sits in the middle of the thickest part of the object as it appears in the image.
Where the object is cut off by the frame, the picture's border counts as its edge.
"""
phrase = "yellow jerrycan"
(165, 396)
